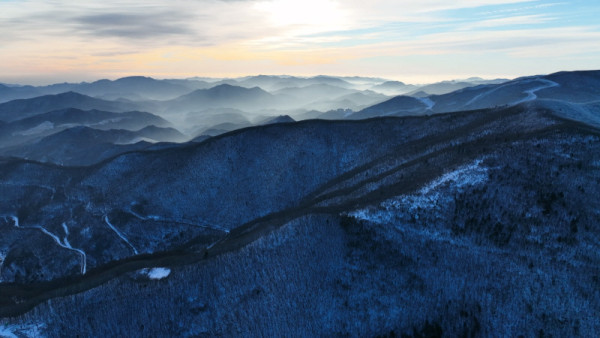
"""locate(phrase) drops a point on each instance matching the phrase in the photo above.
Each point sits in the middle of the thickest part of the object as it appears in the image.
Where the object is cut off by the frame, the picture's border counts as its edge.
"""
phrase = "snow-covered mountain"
(416, 216)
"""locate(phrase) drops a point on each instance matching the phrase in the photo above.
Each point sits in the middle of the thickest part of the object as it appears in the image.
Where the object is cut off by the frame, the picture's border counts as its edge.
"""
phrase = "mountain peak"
(134, 78)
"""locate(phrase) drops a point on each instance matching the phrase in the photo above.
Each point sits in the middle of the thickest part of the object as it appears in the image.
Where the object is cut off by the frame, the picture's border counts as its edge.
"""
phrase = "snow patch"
(157, 273)
(23, 330)
(2, 259)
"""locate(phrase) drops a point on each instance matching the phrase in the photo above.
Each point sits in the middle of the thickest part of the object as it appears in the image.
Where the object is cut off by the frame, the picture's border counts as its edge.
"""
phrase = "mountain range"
(469, 213)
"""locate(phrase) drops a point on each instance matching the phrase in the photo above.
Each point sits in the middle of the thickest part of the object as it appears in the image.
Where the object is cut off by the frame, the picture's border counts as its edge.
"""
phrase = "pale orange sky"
(412, 41)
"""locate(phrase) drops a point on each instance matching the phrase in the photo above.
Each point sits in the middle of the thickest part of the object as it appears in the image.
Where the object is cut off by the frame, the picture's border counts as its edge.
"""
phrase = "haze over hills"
(211, 107)
(228, 210)
(23, 108)
(37, 126)
(171, 98)
(223, 107)
(394, 88)
(78, 146)
(133, 88)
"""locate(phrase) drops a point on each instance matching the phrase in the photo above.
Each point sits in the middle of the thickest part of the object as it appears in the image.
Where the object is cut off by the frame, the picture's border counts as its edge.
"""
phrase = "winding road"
(120, 234)
(62, 243)
(530, 92)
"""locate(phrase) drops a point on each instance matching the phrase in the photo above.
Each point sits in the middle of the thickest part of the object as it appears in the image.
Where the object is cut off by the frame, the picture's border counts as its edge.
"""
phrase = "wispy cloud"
(518, 20)
(134, 26)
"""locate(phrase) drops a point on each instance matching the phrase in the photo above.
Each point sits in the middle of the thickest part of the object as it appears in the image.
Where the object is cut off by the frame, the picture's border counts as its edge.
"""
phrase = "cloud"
(135, 26)
(510, 21)
(201, 23)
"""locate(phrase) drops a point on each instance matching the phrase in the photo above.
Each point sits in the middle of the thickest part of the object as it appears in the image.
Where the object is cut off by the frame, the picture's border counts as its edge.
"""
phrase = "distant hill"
(41, 125)
(444, 87)
(315, 92)
(274, 83)
(160, 134)
(8, 93)
(579, 87)
(399, 105)
(324, 97)
(573, 87)
(393, 88)
(278, 119)
(213, 116)
(219, 129)
(134, 87)
(23, 108)
(221, 96)
(77, 146)
(82, 145)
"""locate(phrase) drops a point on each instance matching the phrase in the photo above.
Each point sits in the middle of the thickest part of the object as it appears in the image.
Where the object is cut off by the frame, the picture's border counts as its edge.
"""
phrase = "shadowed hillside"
(388, 226)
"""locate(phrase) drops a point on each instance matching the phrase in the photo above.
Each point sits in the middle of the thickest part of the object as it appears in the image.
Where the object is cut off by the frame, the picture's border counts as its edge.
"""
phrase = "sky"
(415, 41)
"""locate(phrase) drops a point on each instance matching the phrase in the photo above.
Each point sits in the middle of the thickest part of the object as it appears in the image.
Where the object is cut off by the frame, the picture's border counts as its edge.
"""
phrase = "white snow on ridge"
(428, 197)
(470, 174)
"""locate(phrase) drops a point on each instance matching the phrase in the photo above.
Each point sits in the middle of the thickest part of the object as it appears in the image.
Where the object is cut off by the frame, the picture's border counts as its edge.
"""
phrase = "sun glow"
(321, 14)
